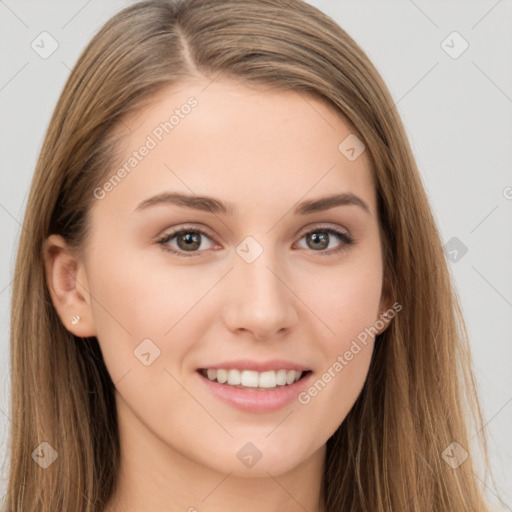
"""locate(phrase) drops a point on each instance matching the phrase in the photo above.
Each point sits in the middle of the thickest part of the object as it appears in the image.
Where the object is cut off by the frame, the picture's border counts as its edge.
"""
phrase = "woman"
(230, 291)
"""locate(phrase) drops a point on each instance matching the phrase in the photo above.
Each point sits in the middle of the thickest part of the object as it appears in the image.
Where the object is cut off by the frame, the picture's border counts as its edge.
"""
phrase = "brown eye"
(187, 241)
(190, 240)
(319, 240)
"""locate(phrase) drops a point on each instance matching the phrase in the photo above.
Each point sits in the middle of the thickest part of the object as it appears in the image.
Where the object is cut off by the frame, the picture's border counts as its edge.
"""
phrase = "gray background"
(457, 111)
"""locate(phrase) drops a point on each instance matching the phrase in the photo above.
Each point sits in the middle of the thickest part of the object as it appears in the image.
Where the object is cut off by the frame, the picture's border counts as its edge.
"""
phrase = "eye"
(320, 238)
(189, 241)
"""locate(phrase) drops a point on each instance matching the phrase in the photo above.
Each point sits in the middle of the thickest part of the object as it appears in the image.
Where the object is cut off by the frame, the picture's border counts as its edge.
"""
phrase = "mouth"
(252, 380)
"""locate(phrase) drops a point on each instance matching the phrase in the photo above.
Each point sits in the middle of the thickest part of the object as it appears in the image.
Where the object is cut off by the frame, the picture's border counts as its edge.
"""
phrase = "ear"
(67, 283)
(386, 307)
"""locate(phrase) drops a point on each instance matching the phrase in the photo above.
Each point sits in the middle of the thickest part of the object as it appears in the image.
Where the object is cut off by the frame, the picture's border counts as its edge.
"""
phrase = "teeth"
(222, 375)
(267, 379)
(281, 377)
(249, 379)
(253, 379)
(234, 377)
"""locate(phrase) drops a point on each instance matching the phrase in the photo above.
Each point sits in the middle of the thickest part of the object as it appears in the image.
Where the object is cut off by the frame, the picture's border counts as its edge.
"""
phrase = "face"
(258, 283)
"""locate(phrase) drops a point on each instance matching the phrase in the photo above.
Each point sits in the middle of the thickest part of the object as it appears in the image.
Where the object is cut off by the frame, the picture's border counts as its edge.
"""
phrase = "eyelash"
(347, 240)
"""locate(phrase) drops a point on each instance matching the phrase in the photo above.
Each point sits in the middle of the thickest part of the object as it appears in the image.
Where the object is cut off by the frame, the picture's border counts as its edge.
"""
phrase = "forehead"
(243, 142)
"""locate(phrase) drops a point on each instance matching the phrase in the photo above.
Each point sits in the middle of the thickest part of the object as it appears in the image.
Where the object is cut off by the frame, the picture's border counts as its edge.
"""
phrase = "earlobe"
(386, 310)
(65, 278)
(383, 322)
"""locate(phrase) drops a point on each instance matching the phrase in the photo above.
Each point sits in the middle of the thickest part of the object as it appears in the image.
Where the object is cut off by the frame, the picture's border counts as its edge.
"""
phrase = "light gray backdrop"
(449, 68)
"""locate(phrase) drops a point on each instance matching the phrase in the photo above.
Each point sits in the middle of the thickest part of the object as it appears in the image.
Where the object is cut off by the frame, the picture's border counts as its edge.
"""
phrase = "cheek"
(345, 363)
(142, 297)
(135, 299)
(355, 309)
(345, 299)
(349, 307)
(334, 392)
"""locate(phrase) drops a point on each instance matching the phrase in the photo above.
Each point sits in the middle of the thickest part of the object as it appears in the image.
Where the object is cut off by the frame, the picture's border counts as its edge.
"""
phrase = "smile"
(252, 379)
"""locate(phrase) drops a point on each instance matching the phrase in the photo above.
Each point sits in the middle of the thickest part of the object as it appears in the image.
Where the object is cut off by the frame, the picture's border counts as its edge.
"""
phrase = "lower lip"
(253, 400)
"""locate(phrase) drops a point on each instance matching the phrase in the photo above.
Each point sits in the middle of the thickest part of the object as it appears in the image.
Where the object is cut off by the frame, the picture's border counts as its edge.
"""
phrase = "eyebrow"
(212, 205)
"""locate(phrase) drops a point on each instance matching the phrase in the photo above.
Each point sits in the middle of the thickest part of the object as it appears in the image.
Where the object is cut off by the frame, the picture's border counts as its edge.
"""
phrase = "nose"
(261, 301)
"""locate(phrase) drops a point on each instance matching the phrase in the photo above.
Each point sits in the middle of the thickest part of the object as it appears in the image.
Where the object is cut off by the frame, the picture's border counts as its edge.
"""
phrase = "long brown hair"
(419, 397)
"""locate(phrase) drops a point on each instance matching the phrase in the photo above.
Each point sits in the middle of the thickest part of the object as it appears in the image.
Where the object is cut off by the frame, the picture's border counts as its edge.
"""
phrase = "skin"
(264, 151)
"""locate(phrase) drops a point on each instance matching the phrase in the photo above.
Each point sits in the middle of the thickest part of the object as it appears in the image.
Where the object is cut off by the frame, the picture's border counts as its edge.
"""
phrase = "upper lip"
(259, 366)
